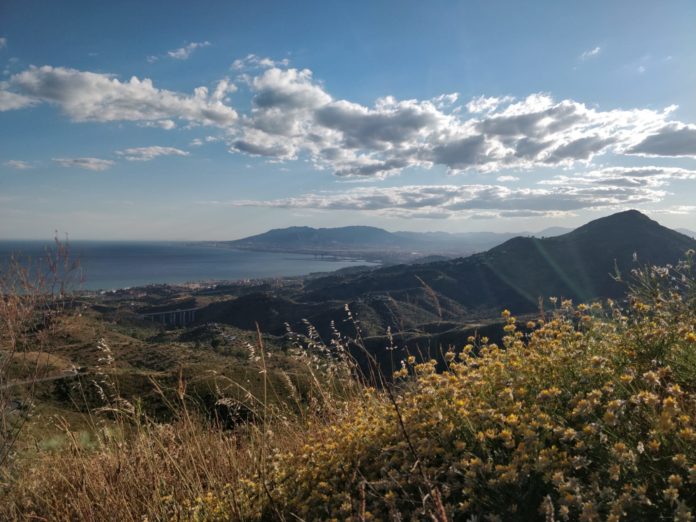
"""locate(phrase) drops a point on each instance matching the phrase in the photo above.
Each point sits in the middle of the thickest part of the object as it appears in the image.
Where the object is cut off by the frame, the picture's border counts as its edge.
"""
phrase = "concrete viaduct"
(172, 317)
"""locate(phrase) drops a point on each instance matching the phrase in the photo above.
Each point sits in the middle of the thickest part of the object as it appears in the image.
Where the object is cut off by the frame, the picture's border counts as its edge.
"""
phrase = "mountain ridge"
(575, 265)
(441, 300)
(357, 239)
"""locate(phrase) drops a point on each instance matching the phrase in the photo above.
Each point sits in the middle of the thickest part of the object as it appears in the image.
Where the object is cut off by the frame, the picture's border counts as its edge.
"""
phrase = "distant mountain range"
(376, 242)
(445, 298)
(516, 273)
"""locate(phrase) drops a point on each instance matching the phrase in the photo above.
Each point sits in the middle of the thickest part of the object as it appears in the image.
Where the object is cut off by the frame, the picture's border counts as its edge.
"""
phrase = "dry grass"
(134, 468)
(588, 413)
(155, 473)
(33, 294)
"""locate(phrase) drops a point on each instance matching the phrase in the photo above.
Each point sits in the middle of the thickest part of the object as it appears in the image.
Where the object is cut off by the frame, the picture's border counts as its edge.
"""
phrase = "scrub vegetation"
(582, 412)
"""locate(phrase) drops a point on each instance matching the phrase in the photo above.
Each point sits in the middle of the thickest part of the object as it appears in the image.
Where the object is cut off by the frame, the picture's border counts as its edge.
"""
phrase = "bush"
(589, 415)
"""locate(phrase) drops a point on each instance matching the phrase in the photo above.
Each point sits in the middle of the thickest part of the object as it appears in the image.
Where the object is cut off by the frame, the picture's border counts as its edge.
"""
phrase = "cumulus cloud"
(19, 164)
(292, 115)
(629, 177)
(88, 96)
(84, 163)
(183, 53)
(290, 89)
(222, 89)
(604, 188)
(445, 100)
(486, 103)
(11, 101)
(591, 53)
(149, 153)
(390, 125)
(281, 121)
(160, 124)
(678, 210)
(254, 61)
(672, 140)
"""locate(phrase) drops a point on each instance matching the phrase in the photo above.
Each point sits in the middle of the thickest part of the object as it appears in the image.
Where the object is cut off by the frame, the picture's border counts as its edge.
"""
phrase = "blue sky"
(215, 120)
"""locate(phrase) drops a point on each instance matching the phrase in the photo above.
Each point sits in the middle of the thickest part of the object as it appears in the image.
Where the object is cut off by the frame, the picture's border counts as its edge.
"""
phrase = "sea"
(111, 265)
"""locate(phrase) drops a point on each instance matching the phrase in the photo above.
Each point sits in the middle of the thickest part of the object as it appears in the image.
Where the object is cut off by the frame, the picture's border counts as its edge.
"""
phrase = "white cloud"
(149, 153)
(281, 120)
(88, 96)
(183, 53)
(252, 61)
(292, 115)
(599, 189)
(84, 163)
(486, 103)
(678, 210)
(503, 179)
(591, 53)
(197, 142)
(11, 101)
(288, 89)
(222, 89)
(674, 139)
(160, 124)
(19, 164)
(631, 177)
(445, 100)
(3, 42)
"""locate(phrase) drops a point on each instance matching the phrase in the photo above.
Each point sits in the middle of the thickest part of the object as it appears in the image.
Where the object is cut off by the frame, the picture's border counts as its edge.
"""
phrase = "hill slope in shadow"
(577, 265)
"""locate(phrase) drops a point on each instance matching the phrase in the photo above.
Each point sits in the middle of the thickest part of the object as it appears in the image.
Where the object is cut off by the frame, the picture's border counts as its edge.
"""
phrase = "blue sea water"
(108, 265)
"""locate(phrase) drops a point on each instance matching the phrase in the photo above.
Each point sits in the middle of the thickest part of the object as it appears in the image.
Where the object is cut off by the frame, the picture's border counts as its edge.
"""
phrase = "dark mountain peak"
(630, 224)
(349, 228)
(625, 221)
(629, 229)
(578, 265)
(309, 238)
(513, 246)
(358, 228)
(290, 230)
(300, 227)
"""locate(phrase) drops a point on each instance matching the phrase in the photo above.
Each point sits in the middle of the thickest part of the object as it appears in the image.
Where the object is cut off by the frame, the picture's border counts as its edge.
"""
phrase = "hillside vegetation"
(577, 265)
(435, 304)
(587, 412)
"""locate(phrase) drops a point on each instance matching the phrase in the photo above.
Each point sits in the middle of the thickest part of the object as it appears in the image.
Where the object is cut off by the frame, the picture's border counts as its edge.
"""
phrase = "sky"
(217, 120)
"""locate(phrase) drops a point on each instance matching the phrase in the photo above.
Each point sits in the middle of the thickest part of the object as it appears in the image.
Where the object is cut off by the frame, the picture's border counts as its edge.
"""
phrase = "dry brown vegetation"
(587, 412)
(33, 295)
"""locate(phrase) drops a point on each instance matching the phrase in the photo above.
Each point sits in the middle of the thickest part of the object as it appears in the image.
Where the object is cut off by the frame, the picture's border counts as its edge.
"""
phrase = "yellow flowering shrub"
(587, 415)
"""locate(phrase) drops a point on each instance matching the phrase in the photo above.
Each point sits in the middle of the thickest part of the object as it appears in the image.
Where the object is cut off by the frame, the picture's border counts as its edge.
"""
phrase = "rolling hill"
(442, 302)
(367, 242)
(515, 274)
(356, 240)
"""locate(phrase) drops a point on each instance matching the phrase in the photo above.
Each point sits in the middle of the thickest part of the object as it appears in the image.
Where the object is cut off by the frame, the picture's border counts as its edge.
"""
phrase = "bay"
(109, 265)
